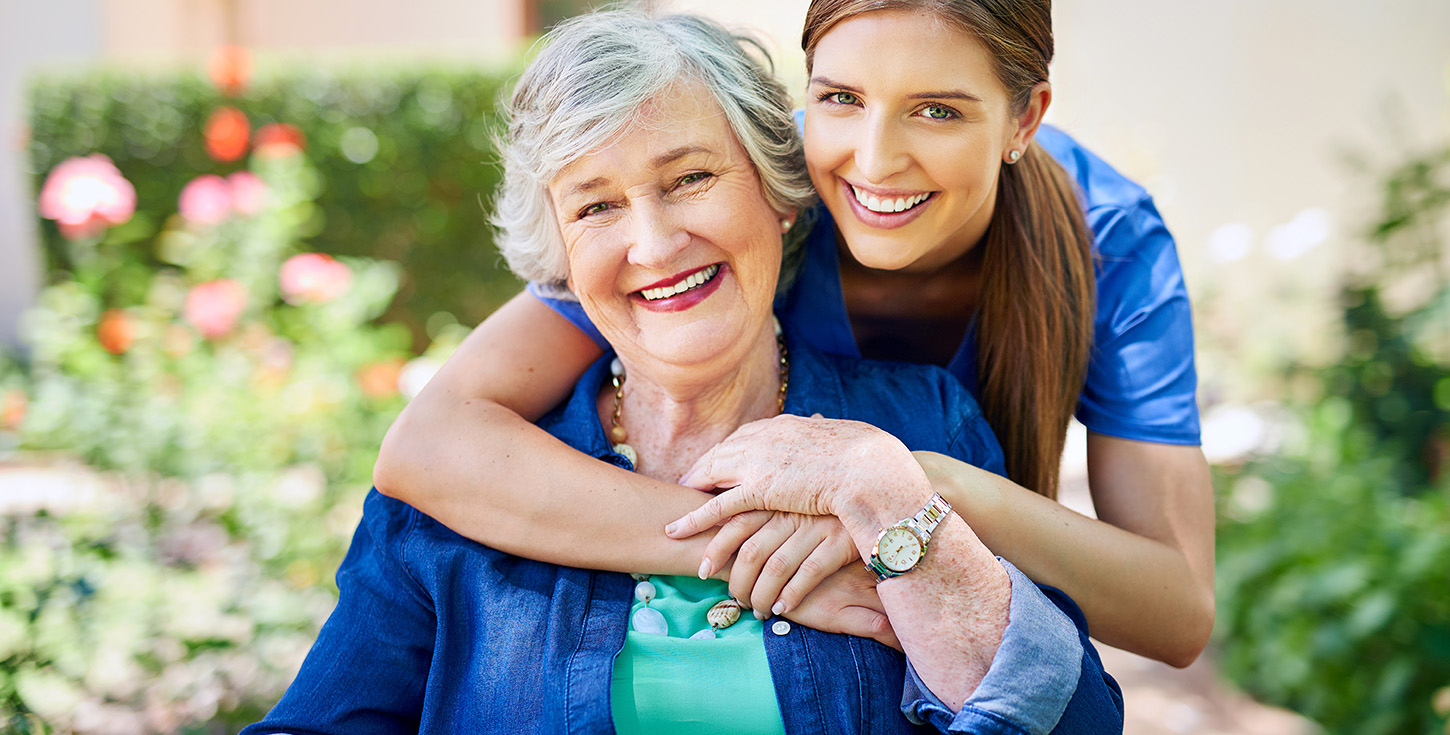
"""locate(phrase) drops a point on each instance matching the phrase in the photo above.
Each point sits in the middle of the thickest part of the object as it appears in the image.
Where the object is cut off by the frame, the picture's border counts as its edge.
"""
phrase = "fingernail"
(758, 615)
(671, 528)
(705, 568)
(778, 608)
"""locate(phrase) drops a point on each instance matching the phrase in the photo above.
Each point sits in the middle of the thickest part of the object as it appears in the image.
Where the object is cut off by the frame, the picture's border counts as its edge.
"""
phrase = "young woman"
(952, 235)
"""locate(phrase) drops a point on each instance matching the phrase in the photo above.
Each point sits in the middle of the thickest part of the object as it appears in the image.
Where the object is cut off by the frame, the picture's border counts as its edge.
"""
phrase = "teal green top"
(678, 685)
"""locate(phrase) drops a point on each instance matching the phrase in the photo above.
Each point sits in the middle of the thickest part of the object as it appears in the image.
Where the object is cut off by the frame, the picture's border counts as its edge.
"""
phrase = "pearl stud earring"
(1013, 156)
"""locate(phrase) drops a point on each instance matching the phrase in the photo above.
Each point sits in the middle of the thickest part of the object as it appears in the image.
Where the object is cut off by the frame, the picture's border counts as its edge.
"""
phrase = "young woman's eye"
(938, 112)
(841, 98)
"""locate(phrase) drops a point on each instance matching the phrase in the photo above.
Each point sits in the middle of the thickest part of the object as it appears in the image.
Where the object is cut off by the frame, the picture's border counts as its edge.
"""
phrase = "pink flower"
(215, 307)
(206, 200)
(85, 195)
(314, 278)
(249, 192)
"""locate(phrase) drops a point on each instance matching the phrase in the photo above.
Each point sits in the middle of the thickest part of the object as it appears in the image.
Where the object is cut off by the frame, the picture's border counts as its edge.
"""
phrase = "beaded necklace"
(725, 612)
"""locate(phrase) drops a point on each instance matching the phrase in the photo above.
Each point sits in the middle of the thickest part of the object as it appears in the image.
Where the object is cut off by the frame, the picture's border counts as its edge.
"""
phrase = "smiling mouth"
(888, 205)
(689, 283)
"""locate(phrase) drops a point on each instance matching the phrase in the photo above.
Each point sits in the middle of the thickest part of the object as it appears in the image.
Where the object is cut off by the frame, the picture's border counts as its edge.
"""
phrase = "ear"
(1026, 124)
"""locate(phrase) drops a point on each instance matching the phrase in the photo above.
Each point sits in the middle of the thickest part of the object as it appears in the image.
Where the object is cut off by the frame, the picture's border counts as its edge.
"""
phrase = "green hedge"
(405, 156)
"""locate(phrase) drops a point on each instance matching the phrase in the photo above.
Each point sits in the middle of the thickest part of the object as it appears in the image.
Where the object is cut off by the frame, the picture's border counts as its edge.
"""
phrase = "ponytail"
(1035, 319)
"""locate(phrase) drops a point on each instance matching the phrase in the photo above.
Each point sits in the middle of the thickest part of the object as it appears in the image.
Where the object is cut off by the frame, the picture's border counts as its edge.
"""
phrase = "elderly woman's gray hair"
(587, 84)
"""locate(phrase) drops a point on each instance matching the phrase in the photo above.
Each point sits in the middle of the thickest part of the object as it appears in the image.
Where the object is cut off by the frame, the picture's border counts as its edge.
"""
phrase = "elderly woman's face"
(673, 249)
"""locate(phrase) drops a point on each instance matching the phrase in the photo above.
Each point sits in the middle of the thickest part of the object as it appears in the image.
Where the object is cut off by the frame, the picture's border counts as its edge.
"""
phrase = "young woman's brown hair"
(1037, 299)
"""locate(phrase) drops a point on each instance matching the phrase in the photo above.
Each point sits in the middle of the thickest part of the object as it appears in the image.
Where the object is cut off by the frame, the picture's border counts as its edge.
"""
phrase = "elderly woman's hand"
(779, 558)
(811, 466)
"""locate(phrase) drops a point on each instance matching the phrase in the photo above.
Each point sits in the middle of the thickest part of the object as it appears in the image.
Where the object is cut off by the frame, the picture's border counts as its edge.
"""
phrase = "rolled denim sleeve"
(1045, 677)
(367, 671)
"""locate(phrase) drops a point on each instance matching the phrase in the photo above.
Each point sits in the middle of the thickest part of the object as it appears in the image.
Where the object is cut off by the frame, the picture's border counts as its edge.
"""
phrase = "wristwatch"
(902, 545)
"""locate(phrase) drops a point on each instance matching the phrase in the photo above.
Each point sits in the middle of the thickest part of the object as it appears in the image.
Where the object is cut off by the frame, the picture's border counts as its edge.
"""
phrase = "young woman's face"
(906, 127)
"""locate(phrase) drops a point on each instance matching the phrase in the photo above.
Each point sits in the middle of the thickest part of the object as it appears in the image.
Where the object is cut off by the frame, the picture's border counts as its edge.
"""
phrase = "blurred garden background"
(236, 235)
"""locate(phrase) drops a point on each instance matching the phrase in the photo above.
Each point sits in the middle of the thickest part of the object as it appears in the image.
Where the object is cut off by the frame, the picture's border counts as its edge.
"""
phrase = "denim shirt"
(436, 633)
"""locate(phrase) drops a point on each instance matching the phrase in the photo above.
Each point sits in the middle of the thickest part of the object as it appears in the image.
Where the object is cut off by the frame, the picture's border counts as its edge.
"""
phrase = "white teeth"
(695, 280)
(888, 206)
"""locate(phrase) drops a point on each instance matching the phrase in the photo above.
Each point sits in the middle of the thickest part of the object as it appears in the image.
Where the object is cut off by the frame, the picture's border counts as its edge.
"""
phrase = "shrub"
(1333, 556)
(404, 159)
(233, 388)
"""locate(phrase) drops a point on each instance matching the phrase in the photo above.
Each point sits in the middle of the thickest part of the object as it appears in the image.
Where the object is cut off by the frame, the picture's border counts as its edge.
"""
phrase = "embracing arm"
(464, 452)
(1143, 574)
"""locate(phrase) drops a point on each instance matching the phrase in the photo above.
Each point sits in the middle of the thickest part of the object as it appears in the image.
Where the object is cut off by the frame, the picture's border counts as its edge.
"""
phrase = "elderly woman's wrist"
(874, 505)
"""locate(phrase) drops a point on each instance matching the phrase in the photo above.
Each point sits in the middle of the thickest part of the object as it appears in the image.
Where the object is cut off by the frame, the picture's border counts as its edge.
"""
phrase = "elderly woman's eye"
(692, 178)
(595, 208)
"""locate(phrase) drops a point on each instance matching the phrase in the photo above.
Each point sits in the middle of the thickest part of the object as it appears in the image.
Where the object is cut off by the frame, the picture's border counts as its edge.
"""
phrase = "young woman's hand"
(846, 602)
(779, 558)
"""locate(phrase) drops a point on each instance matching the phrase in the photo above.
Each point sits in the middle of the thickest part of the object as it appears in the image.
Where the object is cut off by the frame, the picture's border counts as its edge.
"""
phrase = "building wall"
(32, 35)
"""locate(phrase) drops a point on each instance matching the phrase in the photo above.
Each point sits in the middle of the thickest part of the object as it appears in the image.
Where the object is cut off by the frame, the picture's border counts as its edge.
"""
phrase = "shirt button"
(780, 627)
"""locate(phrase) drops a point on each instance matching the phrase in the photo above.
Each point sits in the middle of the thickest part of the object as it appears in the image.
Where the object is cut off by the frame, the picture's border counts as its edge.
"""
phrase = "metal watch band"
(930, 516)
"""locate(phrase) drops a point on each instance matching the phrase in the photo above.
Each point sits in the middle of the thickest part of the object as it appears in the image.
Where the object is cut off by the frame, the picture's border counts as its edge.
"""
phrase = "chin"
(884, 256)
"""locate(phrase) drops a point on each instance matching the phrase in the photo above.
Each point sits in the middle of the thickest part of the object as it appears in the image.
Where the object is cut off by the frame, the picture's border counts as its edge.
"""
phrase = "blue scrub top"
(1141, 383)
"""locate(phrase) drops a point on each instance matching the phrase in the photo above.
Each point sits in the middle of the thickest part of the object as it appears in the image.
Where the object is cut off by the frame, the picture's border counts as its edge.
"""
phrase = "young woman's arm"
(1143, 575)
(464, 452)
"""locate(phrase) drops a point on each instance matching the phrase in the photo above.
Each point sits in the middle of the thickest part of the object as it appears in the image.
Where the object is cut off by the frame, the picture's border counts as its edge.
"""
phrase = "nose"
(880, 152)
(658, 237)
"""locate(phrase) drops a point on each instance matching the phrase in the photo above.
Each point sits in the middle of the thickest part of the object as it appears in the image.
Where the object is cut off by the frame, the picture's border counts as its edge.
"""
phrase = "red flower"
(12, 409)
(86, 195)
(215, 307)
(226, 134)
(230, 68)
(115, 331)
(314, 278)
(279, 139)
(205, 200)
(380, 379)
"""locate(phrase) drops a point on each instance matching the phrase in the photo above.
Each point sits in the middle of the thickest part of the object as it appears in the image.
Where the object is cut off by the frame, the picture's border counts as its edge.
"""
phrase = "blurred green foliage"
(1334, 555)
(405, 158)
(227, 391)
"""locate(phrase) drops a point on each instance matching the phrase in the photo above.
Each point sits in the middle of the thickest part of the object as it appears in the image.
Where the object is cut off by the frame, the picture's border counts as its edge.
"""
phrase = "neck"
(674, 415)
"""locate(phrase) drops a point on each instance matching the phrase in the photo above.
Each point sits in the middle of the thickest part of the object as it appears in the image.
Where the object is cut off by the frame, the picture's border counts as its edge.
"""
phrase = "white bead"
(778, 330)
(644, 591)
(703, 635)
(780, 627)
(628, 452)
(649, 620)
(616, 368)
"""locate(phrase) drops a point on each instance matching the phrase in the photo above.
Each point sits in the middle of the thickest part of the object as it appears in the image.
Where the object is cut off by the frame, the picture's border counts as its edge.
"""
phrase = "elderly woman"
(652, 166)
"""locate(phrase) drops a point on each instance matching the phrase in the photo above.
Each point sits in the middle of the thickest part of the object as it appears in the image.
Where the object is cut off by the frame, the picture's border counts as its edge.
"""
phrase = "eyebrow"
(954, 94)
(663, 159)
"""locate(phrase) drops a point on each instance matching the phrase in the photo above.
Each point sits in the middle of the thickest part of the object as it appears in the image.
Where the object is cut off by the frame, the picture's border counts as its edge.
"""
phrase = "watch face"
(899, 549)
